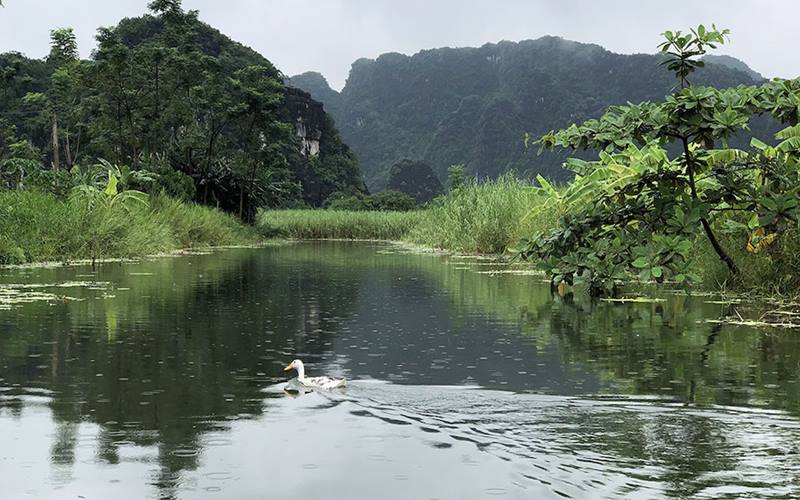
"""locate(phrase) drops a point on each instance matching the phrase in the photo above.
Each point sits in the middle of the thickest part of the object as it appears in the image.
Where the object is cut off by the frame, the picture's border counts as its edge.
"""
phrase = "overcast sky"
(328, 35)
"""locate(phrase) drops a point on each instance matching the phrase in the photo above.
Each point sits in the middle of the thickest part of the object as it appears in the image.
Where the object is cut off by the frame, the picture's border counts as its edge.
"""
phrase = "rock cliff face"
(323, 163)
(308, 118)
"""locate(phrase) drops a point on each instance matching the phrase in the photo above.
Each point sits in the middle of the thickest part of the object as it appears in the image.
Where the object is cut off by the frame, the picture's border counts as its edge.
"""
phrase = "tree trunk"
(241, 201)
(77, 147)
(56, 160)
(252, 188)
(712, 238)
(67, 151)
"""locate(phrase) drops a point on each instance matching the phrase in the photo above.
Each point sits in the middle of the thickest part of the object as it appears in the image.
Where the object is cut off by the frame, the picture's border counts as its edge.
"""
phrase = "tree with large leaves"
(639, 208)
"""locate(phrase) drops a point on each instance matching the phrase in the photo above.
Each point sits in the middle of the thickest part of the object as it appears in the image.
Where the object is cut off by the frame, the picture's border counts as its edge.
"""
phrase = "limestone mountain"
(472, 106)
(734, 63)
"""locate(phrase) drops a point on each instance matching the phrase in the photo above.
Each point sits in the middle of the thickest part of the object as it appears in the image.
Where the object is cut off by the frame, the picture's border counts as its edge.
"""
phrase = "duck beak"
(288, 367)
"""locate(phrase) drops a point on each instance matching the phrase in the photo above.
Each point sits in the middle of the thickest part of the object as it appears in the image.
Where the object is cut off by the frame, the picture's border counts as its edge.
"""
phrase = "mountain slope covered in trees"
(169, 94)
(472, 106)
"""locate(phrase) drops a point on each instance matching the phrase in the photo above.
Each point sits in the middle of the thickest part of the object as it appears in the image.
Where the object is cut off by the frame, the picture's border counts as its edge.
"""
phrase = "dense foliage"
(641, 208)
(95, 224)
(470, 106)
(416, 179)
(383, 201)
(337, 224)
(168, 95)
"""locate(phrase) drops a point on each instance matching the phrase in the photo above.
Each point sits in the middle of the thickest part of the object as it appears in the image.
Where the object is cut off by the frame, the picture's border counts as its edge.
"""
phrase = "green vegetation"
(167, 94)
(640, 209)
(484, 217)
(471, 105)
(385, 201)
(94, 224)
(474, 218)
(335, 224)
(416, 179)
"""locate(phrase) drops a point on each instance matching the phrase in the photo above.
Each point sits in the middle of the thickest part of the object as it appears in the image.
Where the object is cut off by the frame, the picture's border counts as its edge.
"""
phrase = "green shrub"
(194, 225)
(172, 183)
(10, 253)
(774, 270)
(385, 200)
(335, 224)
(350, 203)
(391, 201)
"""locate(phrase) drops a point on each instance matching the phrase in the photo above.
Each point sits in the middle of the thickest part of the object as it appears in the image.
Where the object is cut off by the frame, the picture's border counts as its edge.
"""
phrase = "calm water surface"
(163, 379)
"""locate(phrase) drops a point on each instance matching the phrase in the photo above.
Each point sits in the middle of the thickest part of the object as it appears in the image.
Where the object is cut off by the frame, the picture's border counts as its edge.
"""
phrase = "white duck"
(314, 382)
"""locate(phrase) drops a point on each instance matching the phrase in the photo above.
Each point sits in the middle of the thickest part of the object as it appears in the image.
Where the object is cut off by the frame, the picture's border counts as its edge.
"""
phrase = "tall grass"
(774, 271)
(487, 217)
(333, 224)
(198, 226)
(40, 227)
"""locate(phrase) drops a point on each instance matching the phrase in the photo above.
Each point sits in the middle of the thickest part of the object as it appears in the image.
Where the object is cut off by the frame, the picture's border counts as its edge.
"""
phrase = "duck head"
(296, 365)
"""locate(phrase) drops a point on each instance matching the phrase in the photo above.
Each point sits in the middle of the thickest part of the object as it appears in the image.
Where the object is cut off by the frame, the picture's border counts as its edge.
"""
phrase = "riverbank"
(486, 218)
(494, 217)
(39, 227)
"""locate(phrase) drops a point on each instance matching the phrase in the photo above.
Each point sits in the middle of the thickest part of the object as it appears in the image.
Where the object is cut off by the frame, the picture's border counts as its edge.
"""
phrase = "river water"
(467, 380)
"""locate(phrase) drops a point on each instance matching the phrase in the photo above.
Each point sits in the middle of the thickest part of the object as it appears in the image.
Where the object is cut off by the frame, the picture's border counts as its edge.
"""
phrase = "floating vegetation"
(725, 302)
(15, 294)
(11, 298)
(516, 272)
(642, 300)
(97, 285)
(754, 323)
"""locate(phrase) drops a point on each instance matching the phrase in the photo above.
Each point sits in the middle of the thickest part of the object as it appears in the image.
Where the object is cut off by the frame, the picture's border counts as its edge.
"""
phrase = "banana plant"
(99, 209)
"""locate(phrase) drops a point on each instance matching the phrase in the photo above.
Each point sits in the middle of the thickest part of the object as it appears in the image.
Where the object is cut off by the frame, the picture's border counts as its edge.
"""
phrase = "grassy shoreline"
(492, 218)
(485, 219)
(39, 227)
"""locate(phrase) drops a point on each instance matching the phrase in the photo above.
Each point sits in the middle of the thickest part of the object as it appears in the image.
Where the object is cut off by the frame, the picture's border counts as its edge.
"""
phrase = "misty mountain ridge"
(473, 105)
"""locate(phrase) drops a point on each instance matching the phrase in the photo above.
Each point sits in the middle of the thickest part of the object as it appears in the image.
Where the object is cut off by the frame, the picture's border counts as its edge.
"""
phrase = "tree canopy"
(416, 179)
(168, 94)
(640, 207)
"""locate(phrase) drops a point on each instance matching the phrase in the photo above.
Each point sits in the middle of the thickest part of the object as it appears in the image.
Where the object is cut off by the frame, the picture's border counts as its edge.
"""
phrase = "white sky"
(328, 35)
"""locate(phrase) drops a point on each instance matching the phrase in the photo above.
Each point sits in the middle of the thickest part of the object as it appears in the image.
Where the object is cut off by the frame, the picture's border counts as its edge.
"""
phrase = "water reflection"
(159, 367)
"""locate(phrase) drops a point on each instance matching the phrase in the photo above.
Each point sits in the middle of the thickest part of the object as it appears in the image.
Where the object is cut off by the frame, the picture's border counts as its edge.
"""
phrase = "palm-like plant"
(100, 209)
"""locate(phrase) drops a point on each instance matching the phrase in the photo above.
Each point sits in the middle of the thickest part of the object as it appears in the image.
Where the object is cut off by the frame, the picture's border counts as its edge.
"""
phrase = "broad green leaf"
(111, 187)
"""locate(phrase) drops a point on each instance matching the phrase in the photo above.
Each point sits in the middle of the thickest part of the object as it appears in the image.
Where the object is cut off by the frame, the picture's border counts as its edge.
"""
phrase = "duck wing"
(325, 382)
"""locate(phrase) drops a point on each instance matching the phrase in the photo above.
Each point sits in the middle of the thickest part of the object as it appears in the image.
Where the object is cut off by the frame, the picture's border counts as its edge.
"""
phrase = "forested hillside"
(169, 95)
(472, 106)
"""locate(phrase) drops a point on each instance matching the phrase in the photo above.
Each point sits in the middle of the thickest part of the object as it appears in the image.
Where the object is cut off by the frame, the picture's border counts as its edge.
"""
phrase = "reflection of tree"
(666, 348)
(188, 348)
(679, 449)
(636, 348)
